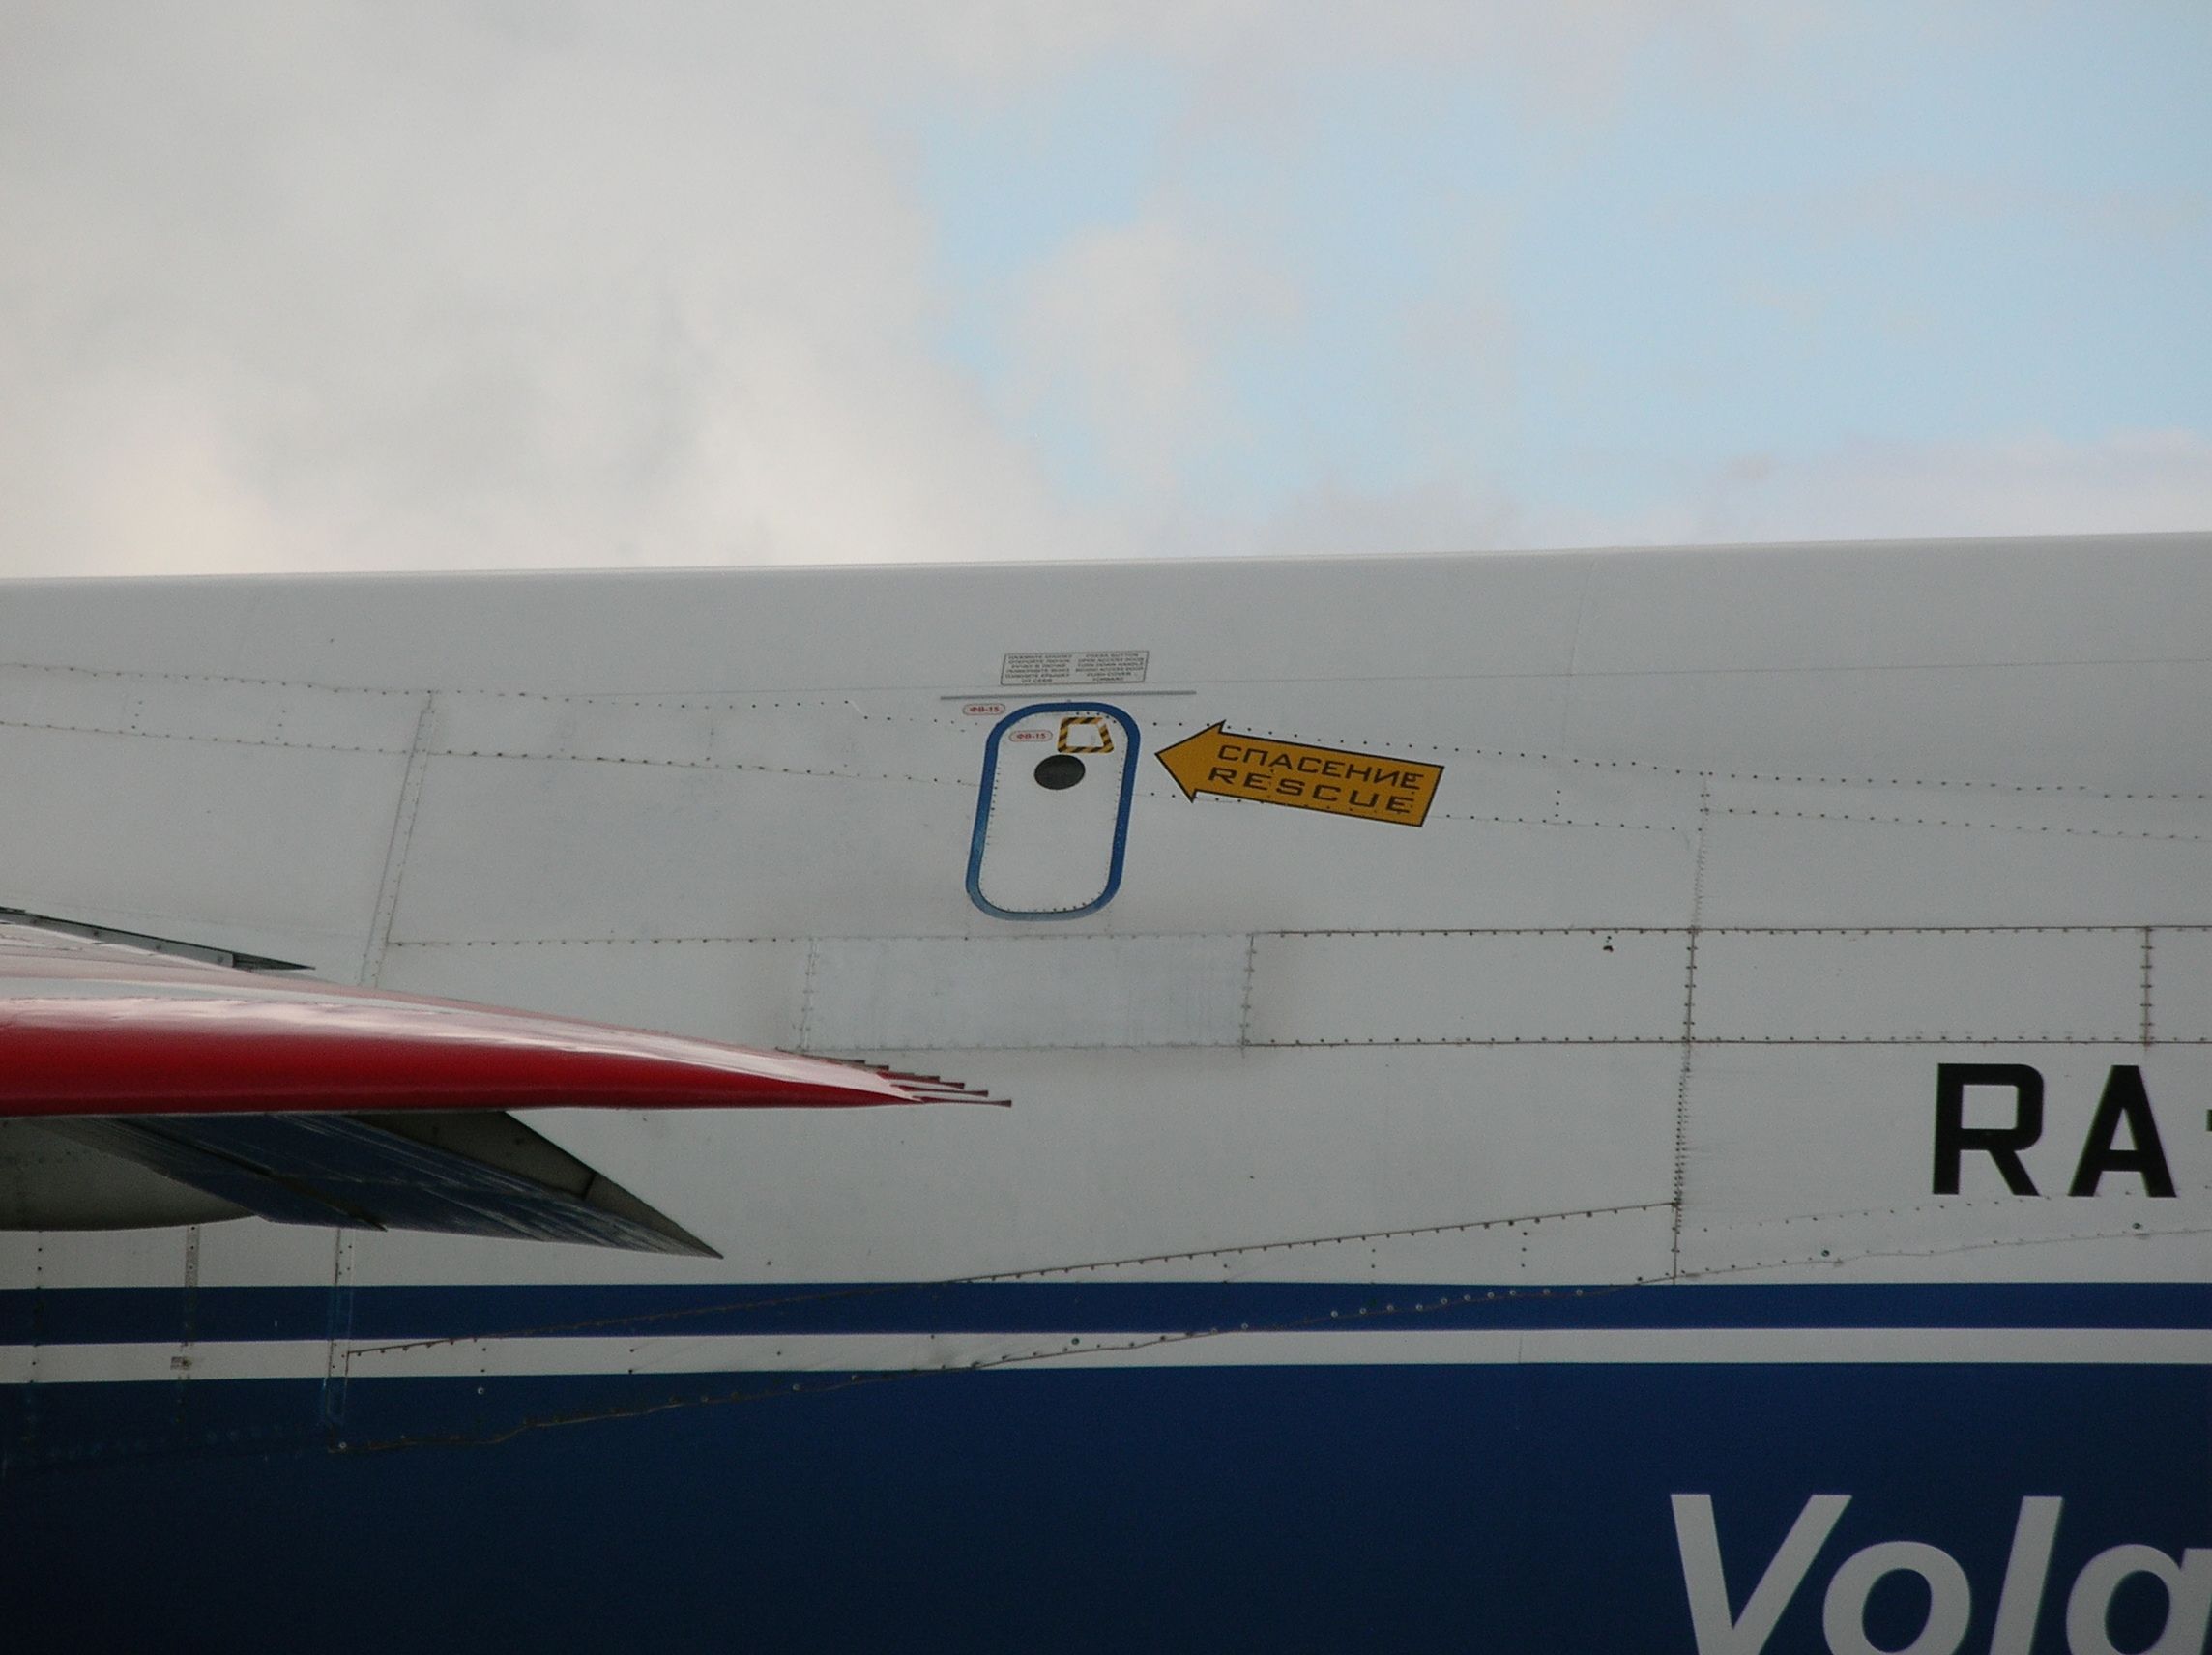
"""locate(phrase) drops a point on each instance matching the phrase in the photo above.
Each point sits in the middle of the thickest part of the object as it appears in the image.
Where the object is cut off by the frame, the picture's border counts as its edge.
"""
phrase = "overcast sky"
(519, 284)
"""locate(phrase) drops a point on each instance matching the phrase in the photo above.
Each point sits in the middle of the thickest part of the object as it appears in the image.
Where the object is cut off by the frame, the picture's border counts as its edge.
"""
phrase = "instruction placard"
(1038, 669)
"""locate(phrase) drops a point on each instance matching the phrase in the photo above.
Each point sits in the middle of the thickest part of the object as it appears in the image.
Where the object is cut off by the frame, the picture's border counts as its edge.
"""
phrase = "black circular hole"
(1061, 770)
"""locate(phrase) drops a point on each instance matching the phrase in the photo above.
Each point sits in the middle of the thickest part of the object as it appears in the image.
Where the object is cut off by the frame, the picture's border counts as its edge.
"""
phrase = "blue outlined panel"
(1053, 819)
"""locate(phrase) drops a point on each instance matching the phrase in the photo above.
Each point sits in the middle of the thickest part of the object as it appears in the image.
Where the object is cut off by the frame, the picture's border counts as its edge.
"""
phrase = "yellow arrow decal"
(1305, 777)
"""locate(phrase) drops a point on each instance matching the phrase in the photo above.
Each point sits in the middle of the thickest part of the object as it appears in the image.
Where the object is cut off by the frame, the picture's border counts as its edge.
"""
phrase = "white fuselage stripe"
(880, 1353)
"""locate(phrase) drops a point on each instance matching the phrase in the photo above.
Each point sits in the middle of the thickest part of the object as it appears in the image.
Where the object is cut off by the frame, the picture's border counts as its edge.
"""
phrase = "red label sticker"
(1029, 735)
(985, 709)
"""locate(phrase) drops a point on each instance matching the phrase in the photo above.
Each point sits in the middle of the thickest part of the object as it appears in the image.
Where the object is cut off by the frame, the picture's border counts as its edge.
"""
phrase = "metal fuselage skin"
(1721, 1165)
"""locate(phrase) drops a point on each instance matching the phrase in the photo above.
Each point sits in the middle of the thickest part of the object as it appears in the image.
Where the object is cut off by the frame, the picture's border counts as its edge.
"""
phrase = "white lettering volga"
(2188, 1584)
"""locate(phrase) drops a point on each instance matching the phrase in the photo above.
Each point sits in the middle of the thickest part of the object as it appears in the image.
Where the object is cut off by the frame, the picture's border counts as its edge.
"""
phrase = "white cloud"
(1566, 58)
(1129, 329)
(370, 287)
(375, 285)
(2131, 482)
(2128, 481)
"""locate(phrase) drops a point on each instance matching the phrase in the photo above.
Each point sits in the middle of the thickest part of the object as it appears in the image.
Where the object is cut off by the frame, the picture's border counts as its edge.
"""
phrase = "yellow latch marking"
(1305, 777)
(1093, 726)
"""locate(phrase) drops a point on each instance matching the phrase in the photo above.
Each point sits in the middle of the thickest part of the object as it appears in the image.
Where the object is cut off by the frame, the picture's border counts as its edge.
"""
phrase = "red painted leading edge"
(93, 1029)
